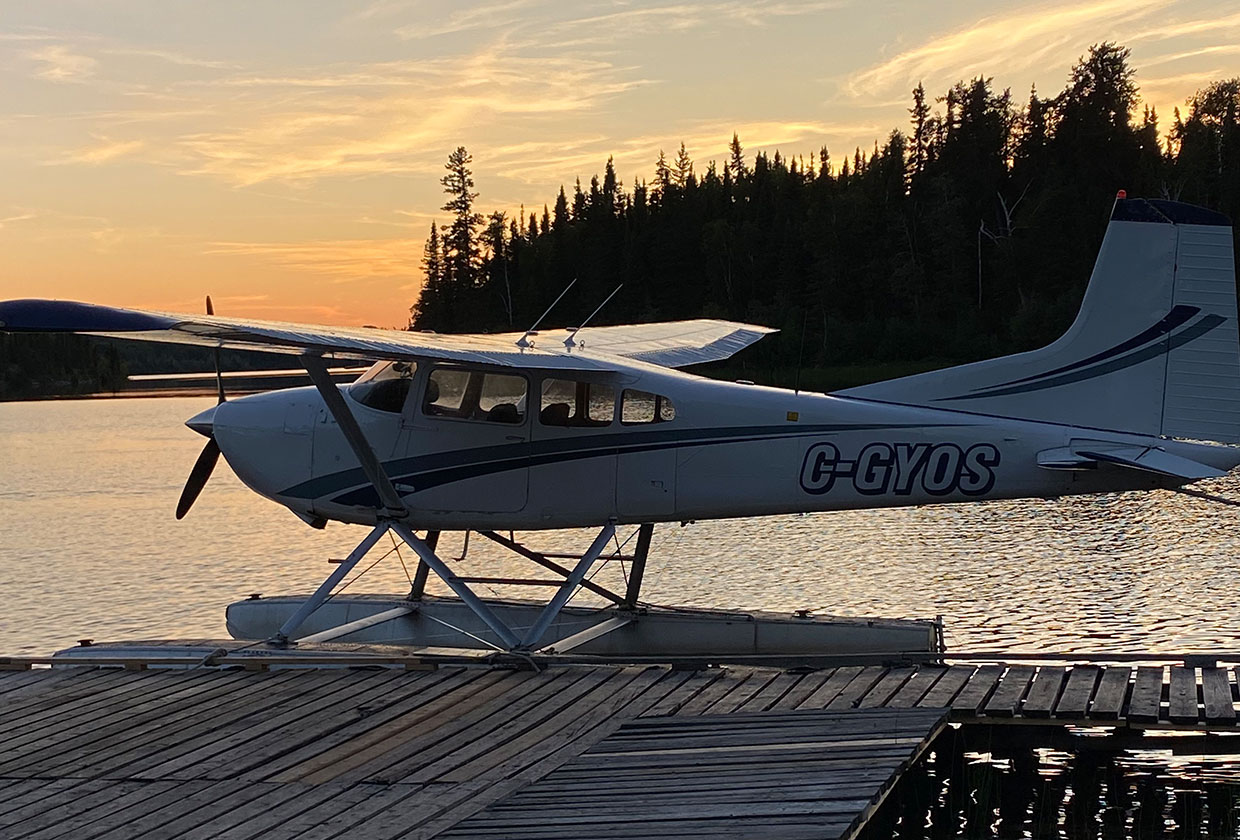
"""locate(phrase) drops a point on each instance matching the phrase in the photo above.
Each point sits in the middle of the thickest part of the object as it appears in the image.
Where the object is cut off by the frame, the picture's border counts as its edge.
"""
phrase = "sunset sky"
(285, 156)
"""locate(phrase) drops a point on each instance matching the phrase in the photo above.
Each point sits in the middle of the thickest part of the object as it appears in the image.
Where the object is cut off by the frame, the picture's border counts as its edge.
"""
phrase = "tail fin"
(1154, 350)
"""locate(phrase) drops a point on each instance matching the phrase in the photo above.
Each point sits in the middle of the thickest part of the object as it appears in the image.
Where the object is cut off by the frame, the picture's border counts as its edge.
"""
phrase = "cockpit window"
(566, 402)
(642, 407)
(385, 386)
(475, 395)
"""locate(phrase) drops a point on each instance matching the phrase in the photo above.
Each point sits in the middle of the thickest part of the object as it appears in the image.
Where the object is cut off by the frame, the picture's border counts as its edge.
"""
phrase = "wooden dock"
(460, 751)
(466, 750)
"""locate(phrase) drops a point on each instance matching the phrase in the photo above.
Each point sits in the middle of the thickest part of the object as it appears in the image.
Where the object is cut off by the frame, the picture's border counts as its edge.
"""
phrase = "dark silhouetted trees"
(972, 235)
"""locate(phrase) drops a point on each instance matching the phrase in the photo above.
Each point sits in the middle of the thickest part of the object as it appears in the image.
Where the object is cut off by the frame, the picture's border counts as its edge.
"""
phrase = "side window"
(643, 407)
(475, 395)
(501, 399)
(384, 387)
(566, 402)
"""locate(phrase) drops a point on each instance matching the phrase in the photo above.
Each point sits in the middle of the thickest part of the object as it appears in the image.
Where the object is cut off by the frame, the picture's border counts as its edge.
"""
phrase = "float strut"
(418, 589)
(568, 587)
(638, 569)
(281, 638)
(462, 590)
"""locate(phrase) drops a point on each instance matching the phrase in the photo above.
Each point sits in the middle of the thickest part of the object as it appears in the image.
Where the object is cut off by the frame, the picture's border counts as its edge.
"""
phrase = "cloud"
(59, 64)
(1039, 37)
(342, 261)
(383, 118)
(21, 217)
(491, 16)
(107, 151)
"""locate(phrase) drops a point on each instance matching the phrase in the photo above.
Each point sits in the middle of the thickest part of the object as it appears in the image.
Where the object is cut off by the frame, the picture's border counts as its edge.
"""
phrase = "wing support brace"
(393, 516)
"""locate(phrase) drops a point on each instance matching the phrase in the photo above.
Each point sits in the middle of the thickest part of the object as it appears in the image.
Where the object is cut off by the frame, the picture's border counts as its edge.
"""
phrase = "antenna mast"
(523, 341)
(572, 334)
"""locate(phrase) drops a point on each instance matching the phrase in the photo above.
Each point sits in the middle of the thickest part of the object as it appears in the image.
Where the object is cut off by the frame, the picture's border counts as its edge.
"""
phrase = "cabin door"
(468, 443)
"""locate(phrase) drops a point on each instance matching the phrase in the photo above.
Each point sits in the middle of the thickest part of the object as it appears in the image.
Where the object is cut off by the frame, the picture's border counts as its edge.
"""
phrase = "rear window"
(638, 407)
(567, 402)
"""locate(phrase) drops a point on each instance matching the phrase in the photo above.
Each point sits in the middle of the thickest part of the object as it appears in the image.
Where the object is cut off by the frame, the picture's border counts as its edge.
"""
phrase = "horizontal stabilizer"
(1088, 454)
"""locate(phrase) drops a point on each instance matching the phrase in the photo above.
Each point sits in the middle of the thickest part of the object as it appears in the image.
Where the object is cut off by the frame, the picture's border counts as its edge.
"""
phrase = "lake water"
(89, 548)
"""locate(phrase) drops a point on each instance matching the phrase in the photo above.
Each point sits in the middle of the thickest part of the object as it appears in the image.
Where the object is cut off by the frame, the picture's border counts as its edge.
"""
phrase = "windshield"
(385, 386)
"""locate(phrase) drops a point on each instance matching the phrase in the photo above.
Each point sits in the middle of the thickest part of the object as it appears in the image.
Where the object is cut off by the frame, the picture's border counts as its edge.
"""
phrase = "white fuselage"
(730, 450)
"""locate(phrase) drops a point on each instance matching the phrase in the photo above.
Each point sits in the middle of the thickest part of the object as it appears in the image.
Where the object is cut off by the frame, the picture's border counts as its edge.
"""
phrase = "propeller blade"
(219, 375)
(198, 477)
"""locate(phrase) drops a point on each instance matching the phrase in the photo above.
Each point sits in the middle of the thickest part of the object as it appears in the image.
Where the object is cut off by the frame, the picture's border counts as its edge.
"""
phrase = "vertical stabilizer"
(1154, 350)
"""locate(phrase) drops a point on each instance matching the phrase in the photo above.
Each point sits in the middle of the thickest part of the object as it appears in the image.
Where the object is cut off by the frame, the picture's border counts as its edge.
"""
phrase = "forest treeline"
(969, 233)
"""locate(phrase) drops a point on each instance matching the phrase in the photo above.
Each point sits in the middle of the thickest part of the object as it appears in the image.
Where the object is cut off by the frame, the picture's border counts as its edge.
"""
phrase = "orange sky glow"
(285, 157)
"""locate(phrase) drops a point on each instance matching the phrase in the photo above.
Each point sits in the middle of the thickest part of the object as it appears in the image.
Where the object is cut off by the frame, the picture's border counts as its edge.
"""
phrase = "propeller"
(210, 453)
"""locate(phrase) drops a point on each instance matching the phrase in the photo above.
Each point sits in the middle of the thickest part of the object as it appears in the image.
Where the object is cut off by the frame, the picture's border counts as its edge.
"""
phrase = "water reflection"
(1006, 782)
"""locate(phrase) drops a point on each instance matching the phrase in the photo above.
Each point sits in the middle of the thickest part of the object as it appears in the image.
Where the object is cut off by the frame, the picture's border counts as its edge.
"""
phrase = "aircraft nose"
(203, 422)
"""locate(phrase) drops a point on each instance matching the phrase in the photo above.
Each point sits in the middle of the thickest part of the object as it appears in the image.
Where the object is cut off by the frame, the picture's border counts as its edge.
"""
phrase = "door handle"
(513, 437)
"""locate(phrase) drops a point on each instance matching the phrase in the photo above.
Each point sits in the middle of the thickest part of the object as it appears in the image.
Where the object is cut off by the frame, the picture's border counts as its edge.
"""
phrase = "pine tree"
(662, 175)
(737, 162)
(682, 169)
(460, 240)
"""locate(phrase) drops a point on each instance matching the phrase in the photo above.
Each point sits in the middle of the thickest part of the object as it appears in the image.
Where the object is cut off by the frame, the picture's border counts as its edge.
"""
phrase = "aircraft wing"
(671, 344)
(667, 343)
(362, 343)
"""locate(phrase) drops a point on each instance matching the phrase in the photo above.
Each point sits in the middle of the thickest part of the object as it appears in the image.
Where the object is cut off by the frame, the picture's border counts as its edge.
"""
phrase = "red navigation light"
(1122, 194)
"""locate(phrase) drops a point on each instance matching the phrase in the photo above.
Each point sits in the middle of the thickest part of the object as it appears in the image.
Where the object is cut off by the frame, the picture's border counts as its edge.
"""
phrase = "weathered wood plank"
(887, 686)
(1112, 691)
(945, 689)
(455, 726)
(1040, 700)
(728, 681)
(917, 686)
(1182, 695)
(379, 730)
(673, 702)
(771, 692)
(1216, 696)
(1005, 700)
(736, 698)
(797, 695)
(973, 696)
(1077, 692)
(1147, 691)
(852, 693)
(831, 688)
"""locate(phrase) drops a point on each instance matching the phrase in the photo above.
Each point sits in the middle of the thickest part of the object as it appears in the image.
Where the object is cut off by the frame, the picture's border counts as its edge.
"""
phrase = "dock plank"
(946, 688)
(1147, 692)
(851, 694)
(975, 693)
(1111, 693)
(1216, 696)
(917, 686)
(886, 687)
(1040, 701)
(1182, 695)
(1077, 692)
(1005, 700)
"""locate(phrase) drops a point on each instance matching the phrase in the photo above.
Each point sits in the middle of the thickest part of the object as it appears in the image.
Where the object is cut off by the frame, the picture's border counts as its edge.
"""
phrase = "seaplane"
(598, 427)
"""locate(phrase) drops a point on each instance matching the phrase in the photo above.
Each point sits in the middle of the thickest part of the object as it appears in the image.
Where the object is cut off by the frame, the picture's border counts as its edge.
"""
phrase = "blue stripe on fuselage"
(438, 468)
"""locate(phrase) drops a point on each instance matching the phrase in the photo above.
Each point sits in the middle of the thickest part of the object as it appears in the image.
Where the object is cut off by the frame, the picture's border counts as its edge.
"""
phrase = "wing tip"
(40, 315)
